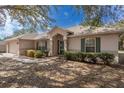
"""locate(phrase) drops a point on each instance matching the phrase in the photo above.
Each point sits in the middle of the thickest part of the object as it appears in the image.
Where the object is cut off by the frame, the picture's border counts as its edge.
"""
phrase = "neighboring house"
(76, 38)
(2, 47)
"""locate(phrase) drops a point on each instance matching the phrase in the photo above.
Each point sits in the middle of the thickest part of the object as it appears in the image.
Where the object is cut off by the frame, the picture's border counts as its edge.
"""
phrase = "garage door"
(13, 47)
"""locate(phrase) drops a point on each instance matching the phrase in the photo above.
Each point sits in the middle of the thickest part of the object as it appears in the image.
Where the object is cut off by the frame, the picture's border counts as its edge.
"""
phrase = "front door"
(60, 47)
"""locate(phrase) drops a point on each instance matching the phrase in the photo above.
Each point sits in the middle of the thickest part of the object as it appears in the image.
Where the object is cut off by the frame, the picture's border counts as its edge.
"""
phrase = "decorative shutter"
(83, 45)
(45, 45)
(37, 45)
(98, 44)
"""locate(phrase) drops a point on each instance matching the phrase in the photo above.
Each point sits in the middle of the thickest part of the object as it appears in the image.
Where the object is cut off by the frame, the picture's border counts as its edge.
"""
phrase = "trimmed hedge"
(34, 53)
(38, 54)
(107, 58)
(30, 53)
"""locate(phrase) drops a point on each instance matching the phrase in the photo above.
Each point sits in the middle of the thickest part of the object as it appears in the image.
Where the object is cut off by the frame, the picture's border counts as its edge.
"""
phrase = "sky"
(66, 17)
(9, 27)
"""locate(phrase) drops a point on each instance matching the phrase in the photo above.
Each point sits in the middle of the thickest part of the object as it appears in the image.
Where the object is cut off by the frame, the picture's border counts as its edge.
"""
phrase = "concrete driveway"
(25, 59)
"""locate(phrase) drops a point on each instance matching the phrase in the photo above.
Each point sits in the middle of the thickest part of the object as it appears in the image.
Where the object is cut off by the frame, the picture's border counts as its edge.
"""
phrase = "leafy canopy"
(36, 15)
(94, 15)
(26, 14)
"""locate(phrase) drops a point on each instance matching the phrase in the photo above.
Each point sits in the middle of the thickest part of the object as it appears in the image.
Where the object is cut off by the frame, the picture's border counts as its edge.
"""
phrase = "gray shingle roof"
(77, 30)
(30, 36)
(82, 31)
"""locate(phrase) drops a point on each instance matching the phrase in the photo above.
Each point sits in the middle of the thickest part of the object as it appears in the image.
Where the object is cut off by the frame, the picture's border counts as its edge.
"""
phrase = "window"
(90, 44)
(43, 45)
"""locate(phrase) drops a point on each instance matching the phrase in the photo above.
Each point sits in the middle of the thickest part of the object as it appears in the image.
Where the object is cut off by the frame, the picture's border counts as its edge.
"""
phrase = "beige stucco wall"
(26, 45)
(74, 44)
(2, 48)
(109, 43)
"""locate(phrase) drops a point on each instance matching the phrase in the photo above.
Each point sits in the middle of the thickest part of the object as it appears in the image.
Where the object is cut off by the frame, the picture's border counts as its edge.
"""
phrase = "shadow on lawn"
(62, 74)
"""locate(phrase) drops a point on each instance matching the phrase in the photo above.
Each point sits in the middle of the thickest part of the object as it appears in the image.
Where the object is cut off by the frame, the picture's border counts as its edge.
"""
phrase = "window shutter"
(83, 45)
(37, 45)
(98, 44)
(45, 45)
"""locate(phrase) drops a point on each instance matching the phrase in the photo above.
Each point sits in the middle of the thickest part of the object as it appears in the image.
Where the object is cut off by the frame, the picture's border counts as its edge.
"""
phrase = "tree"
(94, 15)
(26, 14)
(38, 15)
(119, 24)
(20, 32)
(23, 31)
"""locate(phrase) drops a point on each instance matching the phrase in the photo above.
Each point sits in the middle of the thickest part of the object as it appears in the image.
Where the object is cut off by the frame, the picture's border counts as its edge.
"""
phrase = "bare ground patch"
(57, 73)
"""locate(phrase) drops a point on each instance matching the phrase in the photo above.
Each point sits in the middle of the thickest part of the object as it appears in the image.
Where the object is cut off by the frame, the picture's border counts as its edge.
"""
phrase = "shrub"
(46, 52)
(89, 57)
(67, 55)
(106, 57)
(74, 56)
(38, 54)
(30, 53)
(71, 56)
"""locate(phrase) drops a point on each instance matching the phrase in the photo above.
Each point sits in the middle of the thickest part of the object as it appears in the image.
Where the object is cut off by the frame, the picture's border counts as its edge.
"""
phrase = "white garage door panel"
(13, 47)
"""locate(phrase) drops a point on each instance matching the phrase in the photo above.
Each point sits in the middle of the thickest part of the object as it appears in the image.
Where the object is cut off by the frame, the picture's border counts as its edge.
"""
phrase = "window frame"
(43, 44)
(94, 38)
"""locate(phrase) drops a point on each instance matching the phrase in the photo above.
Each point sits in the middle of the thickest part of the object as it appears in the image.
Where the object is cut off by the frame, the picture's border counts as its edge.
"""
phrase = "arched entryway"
(58, 41)
(58, 44)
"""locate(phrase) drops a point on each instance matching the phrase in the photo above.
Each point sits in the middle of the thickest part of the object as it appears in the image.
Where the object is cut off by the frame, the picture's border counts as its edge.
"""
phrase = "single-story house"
(2, 47)
(77, 38)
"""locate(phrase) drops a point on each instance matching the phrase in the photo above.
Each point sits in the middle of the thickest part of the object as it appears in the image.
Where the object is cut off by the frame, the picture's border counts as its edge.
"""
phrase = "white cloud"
(9, 28)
